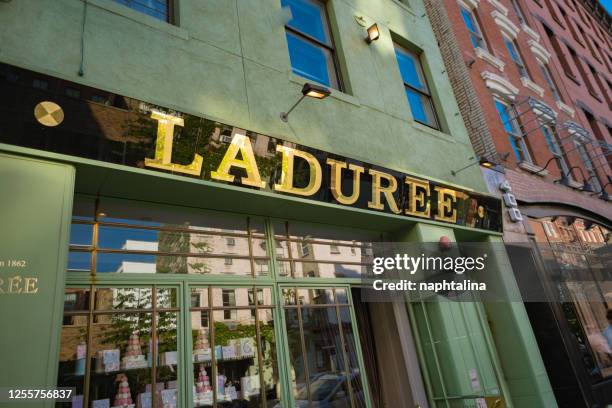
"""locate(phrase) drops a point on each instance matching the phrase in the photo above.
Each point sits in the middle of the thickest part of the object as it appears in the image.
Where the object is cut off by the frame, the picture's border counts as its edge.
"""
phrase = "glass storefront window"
(304, 251)
(112, 236)
(127, 336)
(322, 349)
(233, 347)
(163, 325)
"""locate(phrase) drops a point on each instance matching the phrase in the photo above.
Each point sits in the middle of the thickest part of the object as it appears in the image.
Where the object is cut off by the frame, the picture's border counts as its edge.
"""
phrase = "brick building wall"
(494, 75)
(458, 73)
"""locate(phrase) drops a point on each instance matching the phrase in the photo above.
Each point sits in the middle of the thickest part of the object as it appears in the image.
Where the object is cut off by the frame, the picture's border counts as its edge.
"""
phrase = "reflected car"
(328, 390)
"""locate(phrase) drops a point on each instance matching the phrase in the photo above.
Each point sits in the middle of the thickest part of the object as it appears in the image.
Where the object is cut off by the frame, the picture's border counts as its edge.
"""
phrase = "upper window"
(519, 12)
(471, 22)
(311, 48)
(513, 130)
(415, 84)
(588, 163)
(159, 9)
(551, 82)
(556, 148)
(516, 57)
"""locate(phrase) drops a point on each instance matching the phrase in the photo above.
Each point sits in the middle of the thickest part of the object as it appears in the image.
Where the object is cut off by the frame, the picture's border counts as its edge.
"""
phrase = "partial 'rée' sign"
(113, 128)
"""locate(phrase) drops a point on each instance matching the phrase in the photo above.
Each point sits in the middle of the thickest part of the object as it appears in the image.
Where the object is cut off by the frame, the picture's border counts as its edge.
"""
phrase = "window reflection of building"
(579, 250)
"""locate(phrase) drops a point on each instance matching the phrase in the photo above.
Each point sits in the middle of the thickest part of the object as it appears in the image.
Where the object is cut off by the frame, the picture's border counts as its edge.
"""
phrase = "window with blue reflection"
(417, 91)
(79, 261)
(514, 54)
(308, 60)
(159, 9)
(512, 129)
(81, 234)
(308, 17)
(311, 50)
(472, 25)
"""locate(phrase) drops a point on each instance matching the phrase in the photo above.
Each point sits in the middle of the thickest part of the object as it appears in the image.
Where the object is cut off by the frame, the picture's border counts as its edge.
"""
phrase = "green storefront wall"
(41, 188)
(35, 213)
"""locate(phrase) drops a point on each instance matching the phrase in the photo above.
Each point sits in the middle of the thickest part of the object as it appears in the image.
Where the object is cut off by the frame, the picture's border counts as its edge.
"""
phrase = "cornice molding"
(504, 23)
(499, 85)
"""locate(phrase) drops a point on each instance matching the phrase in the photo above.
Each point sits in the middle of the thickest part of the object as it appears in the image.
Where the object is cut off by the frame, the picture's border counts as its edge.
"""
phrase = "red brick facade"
(540, 38)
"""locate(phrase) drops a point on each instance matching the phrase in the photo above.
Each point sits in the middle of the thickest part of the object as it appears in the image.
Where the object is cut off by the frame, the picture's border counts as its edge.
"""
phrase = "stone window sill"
(574, 184)
(532, 168)
(565, 108)
(500, 7)
(490, 58)
(529, 84)
(530, 32)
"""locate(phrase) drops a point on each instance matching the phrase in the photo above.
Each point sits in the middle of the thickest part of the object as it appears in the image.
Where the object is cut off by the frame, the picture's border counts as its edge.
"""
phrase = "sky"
(607, 4)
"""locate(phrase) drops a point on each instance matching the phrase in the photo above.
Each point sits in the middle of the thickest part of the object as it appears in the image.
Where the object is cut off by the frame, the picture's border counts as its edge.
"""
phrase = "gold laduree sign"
(127, 131)
(388, 191)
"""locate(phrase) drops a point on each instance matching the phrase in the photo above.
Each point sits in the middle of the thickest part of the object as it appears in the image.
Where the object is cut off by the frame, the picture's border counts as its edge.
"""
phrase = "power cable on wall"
(82, 66)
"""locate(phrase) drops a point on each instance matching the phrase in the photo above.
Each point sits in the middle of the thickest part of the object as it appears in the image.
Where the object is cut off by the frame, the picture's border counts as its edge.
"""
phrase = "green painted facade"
(227, 60)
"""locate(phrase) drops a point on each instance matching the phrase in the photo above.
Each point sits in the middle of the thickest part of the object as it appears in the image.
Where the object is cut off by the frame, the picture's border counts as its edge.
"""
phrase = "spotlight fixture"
(373, 33)
(310, 90)
(483, 161)
(603, 194)
(565, 180)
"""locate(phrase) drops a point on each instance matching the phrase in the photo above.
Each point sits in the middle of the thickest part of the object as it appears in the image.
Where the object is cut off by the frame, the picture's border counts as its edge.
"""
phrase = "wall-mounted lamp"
(603, 194)
(586, 186)
(373, 33)
(483, 161)
(310, 90)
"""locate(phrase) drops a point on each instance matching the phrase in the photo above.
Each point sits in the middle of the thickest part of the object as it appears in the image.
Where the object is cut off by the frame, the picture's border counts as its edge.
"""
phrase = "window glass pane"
(202, 358)
(237, 363)
(76, 300)
(145, 263)
(79, 261)
(410, 68)
(154, 8)
(134, 239)
(469, 21)
(420, 106)
(121, 363)
(81, 234)
(351, 353)
(307, 297)
(298, 365)
(324, 360)
(73, 349)
(272, 388)
(138, 213)
(505, 117)
(310, 61)
(511, 50)
(308, 16)
(167, 361)
(167, 298)
(341, 296)
(474, 30)
(329, 270)
(264, 296)
(199, 297)
(123, 298)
